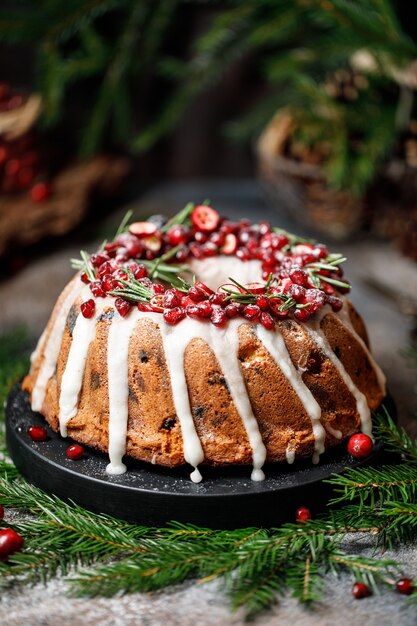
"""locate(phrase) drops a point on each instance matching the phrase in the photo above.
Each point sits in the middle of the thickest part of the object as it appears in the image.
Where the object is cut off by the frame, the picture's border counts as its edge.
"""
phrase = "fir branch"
(396, 439)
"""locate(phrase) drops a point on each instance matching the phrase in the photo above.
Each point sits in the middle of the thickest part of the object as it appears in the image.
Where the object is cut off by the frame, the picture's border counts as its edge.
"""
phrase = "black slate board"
(151, 495)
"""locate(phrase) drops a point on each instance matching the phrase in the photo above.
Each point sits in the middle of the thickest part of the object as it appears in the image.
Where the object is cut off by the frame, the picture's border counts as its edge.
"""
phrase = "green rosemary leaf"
(180, 218)
(123, 224)
(335, 282)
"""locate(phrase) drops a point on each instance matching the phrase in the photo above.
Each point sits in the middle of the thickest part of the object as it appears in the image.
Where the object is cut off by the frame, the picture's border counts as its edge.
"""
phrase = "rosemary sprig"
(182, 217)
(293, 239)
(159, 269)
(84, 265)
(246, 296)
(123, 224)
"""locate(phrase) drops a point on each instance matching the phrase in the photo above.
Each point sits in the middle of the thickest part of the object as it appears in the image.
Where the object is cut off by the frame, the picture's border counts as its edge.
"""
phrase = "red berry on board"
(302, 514)
(88, 308)
(38, 433)
(40, 192)
(10, 542)
(205, 218)
(360, 446)
(142, 229)
(405, 586)
(360, 590)
(75, 452)
(1, 512)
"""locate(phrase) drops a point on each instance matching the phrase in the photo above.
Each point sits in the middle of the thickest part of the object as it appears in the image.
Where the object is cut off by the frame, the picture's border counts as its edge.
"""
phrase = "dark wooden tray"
(153, 496)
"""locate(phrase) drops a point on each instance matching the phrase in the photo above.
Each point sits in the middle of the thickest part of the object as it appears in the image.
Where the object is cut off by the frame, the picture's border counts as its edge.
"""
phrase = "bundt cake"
(200, 340)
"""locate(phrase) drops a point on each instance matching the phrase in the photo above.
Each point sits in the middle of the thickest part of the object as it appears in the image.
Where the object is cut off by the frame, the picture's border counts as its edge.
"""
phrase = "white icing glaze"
(214, 271)
(290, 454)
(274, 343)
(53, 343)
(344, 317)
(318, 336)
(337, 434)
(225, 344)
(120, 332)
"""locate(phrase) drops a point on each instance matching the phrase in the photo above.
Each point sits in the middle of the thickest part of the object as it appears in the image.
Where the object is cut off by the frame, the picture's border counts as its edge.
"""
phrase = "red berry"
(158, 288)
(232, 310)
(1, 512)
(140, 272)
(85, 278)
(122, 306)
(262, 302)
(203, 289)
(171, 299)
(230, 244)
(217, 298)
(196, 295)
(360, 446)
(10, 542)
(38, 433)
(218, 317)
(296, 291)
(173, 316)
(251, 312)
(178, 235)
(302, 514)
(88, 308)
(258, 288)
(12, 167)
(75, 452)
(200, 237)
(97, 290)
(360, 590)
(267, 321)
(302, 315)
(405, 586)
(299, 277)
(205, 219)
(157, 303)
(40, 192)
(335, 302)
(142, 229)
(98, 259)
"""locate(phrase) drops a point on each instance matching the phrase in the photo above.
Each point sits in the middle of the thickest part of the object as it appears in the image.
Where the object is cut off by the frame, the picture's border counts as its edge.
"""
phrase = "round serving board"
(153, 496)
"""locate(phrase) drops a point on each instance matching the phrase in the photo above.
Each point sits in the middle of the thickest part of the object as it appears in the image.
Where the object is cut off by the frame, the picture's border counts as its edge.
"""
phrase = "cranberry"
(75, 452)
(178, 235)
(267, 321)
(302, 514)
(243, 254)
(40, 192)
(1, 512)
(123, 307)
(251, 312)
(360, 590)
(134, 247)
(264, 227)
(360, 446)
(38, 433)
(320, 251)
(230, 244)
(97, 289)
(171, 299)
(144, 307)
(218, 317)
(302, 315)
(209, 249)
(10, 542)
(205, 218)
(405, 586)
(205, 309)
(157, 303)
(186, 301)
(195, 250)
(218, 238)
(200, 237)
(232, 310)
(182, 255)
(152, 243)
(315, 298)
(173, 316)
(142, 229)
(196, 295)
(88, 308)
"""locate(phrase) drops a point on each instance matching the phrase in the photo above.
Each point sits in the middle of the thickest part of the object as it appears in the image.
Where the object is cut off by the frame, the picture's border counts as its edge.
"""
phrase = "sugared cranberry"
(38, 433)
(196, 295)
(75, 452)
(142, 229)
(405, 586)
(299, 277)
(88, 307)
(97, 289)
(232, 310)
(108, 283)
(182, 254)
(251, 312)
(178, 235)
(173, 316)
(320, 251)
(205, 218)
(302, 315)
(123, 307)
(195, 250)
(144, 307)
(171, 299)
(218, 238)
(40, 192)
(302, 514)
(296, 292)
(157, 303)
(218, 317)
(360, 446)
(267, 321)
(205, 308)
(360, 590)
(200, 237)
(10, 542)
(134, 247)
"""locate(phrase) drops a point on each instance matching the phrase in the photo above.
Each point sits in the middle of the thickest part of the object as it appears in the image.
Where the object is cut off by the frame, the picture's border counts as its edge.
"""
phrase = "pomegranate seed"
(302, 315)
(103, 268)
(144, 307)
(232, 310)
(405, 586)
(75, 452)
(88, 308)
(320, 251)
(299, 277)
(218, 238)
(218, 317)
(204, 289)
(97, 289)
(1, 512)
(158, 288)
(360, 446)
(267, 321)
(111, 248)
(108, 283)
(192, 310)
(173, 316)
(360, 590)
(140, 272)
(302, 514)
(217, 298)
(10, 542)
(209, 249)
(38, 433)
(186, 301)
(262, 302)
(205, 308)
(40, 192)
(205, 218)
(200, 237)
(335, 302)
(296, 291)
(171, 299)
(123, 307)
(243, 254)
(152, 243)
(121, 256)
(178, 235)
(142, 229)
(195, 250)
(120, 274)
(251, 312)
(196, 295)
(182, 254)
(85, 278)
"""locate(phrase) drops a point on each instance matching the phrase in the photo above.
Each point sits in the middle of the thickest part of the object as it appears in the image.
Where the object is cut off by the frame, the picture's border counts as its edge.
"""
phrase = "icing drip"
(72, 379)
(318, 336)
(53, 344)
(117, 364)
(275, 344)
(225, 345)
(344, 317)
(290, 454)
(337, 434)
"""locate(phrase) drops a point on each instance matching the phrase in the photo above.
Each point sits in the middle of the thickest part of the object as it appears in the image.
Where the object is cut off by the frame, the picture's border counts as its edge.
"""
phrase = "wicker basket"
(300, 189)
